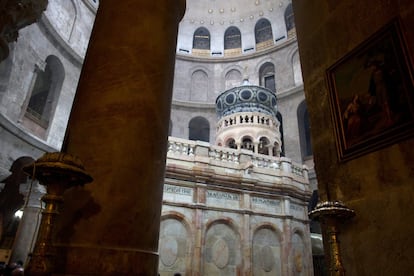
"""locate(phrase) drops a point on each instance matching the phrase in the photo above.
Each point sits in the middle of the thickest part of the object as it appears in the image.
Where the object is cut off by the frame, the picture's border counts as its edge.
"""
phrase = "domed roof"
(227, 10)
(246, 98)
(243, 17)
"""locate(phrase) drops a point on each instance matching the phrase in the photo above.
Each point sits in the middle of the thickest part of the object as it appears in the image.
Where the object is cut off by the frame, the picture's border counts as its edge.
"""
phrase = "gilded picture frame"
(371, 94)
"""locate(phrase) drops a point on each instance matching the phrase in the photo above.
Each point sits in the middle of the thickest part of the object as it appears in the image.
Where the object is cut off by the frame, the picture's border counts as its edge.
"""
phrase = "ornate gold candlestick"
(330, 214)
(58, 172)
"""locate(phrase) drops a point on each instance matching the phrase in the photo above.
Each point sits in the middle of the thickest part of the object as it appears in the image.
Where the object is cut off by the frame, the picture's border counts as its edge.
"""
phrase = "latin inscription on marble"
(223, 199)
(267, 205)
(177, 193)
(265, 201)
(177, 190)
(222, 195)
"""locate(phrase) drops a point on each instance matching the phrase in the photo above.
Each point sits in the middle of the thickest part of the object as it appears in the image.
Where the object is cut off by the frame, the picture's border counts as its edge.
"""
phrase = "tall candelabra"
(330, 214)
(58, 172)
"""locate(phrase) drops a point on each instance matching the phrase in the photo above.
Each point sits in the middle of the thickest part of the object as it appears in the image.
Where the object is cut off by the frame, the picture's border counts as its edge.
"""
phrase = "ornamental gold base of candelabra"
(58, 172)
(330, 214)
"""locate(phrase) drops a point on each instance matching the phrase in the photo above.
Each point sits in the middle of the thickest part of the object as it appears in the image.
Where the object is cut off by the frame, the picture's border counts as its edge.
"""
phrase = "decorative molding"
(59, 42)
(221, 59)
(22, 134)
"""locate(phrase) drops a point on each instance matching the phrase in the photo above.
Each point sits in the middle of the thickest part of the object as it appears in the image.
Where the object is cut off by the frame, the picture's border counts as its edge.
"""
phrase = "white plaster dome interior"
(216, 28)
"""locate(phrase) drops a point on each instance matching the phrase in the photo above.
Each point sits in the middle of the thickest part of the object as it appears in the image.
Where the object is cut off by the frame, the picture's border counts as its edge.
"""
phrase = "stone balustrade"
(239, 162)
(247, 119)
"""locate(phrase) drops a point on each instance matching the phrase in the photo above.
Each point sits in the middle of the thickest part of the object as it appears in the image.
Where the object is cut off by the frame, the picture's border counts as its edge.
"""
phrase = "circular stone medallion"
(230, 99)
(246, 95)
(169, 251)
(262, 97)
(268, 262)
(220, 253)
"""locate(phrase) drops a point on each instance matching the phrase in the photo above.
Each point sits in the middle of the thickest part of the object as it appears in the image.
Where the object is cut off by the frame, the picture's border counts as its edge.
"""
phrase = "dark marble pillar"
(118, 128)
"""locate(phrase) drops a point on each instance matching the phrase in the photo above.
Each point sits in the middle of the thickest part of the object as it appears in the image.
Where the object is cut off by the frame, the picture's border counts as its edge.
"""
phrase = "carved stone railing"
(182, 147)
(224, 154)
(242, 162)
(247, 119)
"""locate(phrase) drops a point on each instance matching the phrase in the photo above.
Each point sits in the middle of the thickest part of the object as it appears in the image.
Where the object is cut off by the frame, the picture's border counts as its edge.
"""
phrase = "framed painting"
(371, 94)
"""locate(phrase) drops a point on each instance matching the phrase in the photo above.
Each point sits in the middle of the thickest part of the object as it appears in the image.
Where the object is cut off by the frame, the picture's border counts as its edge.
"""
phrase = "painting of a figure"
(371, 93)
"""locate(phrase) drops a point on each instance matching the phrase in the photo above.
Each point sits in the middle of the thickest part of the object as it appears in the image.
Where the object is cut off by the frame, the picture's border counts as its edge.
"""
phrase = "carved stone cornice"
(15, 15)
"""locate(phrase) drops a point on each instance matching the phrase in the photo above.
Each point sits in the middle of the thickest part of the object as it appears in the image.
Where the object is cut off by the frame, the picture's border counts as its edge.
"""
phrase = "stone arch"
(63, 18)
(247, 142)
(289, 20)
(222, 248)
(298, 253)
(180, 217)
(199, 129)
(263, 147)
(175, 243)
(266, 251)
(304, 130)
(267, 76)
(231, 143)
(232, 38)
(224, 84)
(263, 31)
(199, 86)
(201, 39)
(233, 78)
(43, 97)
(293, 59)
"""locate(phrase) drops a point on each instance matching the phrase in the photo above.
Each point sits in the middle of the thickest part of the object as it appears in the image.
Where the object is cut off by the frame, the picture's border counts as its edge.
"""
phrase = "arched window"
(199, 86)
(231, 144)
(263, 34)
(297, 71)
(264, 146)
(289, 20)
(304, 130)
(280, 119)
(267, 76)
(201, 39)
(247, 143)
(45, 93)
(232, 38)
(199, 129)
(233, 78)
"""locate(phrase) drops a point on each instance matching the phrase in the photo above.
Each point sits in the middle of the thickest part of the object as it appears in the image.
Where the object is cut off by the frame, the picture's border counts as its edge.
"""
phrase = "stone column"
(29, 223)
(256, 147)
(238, 145)
(118, 128)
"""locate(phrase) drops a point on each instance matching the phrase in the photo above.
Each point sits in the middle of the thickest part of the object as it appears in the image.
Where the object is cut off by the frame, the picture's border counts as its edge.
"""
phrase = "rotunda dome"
(228, 28)
(246, 98)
